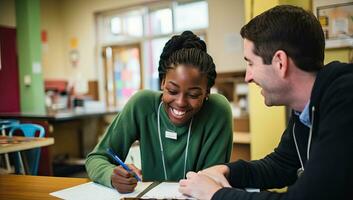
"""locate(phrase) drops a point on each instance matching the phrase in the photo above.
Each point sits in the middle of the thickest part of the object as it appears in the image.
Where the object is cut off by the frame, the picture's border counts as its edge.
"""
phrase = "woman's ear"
(280, 61)
(207, 94)
(162, 84)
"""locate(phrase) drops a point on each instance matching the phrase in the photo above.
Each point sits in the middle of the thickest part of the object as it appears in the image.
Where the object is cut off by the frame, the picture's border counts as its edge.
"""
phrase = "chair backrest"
(33, 155)
(5, 123)
(28, 130)
(8, 121)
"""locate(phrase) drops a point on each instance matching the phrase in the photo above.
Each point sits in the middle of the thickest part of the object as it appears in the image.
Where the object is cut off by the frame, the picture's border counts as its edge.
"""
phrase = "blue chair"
(33, 155)
(4, 123)
(7, 122)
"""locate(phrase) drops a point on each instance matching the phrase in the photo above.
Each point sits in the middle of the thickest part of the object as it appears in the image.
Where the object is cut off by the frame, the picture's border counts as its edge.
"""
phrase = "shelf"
(241, 137)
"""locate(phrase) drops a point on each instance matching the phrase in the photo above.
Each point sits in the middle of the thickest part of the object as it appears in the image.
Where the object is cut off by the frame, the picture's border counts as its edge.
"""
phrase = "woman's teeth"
(178, 112)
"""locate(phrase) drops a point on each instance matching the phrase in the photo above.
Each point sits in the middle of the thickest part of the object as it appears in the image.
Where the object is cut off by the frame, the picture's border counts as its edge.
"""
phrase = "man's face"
(184, 90)
(265, 76)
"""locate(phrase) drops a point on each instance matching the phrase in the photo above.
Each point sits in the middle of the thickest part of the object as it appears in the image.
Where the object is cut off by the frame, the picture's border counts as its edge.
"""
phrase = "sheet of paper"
(165, 190)
(88, 191)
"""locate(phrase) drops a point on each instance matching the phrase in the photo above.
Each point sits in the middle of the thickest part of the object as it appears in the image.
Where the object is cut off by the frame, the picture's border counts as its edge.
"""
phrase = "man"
(284, 49)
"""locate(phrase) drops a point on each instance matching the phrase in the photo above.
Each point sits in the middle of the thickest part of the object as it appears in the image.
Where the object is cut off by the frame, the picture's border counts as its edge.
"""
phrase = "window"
(149, 26)
(128, 25)
(116, 26)
(186, 18)
(159, 22)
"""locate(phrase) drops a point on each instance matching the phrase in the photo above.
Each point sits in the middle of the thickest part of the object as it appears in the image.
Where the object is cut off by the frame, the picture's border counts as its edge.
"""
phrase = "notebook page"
(93, 191)
(165, 190)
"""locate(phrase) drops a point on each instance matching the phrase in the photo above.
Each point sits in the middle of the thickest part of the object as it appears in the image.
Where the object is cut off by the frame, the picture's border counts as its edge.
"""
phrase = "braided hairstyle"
(187, 49)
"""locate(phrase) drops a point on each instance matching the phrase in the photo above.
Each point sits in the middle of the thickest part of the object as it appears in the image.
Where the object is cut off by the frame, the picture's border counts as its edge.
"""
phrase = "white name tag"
(171, 135)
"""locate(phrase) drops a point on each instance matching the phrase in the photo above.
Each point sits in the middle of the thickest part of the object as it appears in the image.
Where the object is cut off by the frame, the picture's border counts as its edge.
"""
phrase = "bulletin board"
(337, 23)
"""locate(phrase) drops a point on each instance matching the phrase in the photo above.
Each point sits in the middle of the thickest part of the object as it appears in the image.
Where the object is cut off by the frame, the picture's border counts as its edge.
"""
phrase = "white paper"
(36, 68)
(165, 190)
(95, 191)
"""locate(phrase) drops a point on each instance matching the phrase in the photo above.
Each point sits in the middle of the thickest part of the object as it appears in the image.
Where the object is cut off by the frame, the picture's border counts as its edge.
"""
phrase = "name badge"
(171, 135)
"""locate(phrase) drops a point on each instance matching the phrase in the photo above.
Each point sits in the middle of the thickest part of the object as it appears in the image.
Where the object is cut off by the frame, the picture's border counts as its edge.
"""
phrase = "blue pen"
(120, 162)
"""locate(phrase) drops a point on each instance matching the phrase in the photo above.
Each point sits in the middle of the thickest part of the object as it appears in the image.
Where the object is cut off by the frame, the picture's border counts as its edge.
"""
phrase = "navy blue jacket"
(329, 171)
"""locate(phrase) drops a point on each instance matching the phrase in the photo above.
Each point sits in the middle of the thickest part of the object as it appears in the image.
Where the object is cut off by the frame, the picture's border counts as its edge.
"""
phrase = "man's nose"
(248, 75)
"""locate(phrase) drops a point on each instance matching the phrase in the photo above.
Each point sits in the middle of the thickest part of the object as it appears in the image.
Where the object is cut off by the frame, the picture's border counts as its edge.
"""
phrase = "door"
(9, 85)
(123, 73)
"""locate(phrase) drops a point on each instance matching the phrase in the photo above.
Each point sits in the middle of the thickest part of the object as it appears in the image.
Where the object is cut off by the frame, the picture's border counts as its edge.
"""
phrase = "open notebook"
(144, 190)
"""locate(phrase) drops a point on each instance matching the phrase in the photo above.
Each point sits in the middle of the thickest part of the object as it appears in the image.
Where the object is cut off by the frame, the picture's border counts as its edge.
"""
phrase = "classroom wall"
(225, 44)
(76, 20)
(53, 54)
(7, 13)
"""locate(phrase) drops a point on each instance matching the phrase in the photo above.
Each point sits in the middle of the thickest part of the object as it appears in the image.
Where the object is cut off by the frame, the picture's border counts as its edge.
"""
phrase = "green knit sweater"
(210, 139)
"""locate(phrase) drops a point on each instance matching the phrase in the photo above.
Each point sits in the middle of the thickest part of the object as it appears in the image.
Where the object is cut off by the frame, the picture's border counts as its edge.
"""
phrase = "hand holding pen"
(125, 176)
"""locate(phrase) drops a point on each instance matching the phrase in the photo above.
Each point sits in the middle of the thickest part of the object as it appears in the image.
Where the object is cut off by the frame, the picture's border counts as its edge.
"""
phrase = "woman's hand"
(123, 181)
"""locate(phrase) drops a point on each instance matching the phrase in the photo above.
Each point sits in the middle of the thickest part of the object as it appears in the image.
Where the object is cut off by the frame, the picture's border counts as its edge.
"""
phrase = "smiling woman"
(183, 128)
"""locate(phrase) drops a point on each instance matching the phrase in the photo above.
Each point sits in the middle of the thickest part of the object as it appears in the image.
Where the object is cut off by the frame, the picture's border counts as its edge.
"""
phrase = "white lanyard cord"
(311, 132)
(296, 146)
(161, 144)
(309, 139)
(187, 148)
(160, 141)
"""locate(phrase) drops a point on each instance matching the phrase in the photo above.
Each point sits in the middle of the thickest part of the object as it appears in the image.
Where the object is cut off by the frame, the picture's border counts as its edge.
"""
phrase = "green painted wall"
(29, 55)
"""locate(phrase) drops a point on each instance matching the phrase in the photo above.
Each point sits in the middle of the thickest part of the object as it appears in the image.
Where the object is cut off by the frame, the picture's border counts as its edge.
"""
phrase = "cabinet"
(233, 87)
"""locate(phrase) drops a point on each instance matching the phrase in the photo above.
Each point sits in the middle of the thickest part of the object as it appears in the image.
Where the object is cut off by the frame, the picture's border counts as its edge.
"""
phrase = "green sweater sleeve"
(119, 136)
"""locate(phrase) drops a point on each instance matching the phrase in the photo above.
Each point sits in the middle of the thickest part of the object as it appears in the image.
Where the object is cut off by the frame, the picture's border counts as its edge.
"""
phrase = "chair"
(33, 155)
(4, 123)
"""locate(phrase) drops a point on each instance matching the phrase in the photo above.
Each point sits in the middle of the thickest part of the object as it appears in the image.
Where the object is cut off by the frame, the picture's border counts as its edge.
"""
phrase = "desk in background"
(20, 143)
(75, 132)
(34, 187)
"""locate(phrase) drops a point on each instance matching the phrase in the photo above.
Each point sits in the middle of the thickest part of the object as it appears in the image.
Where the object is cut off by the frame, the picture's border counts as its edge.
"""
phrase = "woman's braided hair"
(187, 49)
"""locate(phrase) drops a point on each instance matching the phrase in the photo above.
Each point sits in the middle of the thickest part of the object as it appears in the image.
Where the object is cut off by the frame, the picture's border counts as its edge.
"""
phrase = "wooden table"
(19, 143)
(34, 187)
(75, 131)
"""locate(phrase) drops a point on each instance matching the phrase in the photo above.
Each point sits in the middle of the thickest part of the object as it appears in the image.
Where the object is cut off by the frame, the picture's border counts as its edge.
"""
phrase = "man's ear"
(280, 61)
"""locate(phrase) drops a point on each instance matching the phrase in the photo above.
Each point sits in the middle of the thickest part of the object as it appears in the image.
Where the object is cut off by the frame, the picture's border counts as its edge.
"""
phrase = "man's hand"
(218, 173)
(199, 186)
(123, 181)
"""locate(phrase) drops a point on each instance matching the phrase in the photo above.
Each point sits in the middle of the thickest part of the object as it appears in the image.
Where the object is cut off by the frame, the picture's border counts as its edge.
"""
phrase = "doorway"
(123, 73)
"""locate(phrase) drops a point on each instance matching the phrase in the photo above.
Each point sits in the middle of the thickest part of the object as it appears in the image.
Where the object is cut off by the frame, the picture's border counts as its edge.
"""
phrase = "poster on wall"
(337, 23)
